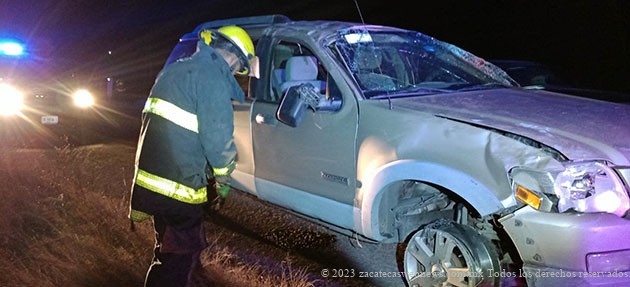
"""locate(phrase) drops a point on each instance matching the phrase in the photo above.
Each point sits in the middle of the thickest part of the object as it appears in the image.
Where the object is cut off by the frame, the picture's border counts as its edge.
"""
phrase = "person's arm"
(216, 123)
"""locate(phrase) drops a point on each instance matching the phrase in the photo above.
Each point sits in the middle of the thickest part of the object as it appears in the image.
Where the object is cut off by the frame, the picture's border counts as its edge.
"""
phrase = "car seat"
(302, 69)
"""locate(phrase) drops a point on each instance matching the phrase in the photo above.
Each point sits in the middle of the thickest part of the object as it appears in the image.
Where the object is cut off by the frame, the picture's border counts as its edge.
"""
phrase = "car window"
(294, 64)
(400, 63)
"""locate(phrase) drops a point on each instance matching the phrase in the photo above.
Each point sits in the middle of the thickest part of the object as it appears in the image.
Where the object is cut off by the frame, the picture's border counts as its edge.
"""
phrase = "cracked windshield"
(405, 63)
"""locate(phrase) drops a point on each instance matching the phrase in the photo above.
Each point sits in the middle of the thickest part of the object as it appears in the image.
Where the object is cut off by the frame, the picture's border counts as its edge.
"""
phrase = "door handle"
(269, 120)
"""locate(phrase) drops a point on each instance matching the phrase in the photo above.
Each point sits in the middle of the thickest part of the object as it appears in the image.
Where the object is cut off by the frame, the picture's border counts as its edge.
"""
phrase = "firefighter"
(187, 132)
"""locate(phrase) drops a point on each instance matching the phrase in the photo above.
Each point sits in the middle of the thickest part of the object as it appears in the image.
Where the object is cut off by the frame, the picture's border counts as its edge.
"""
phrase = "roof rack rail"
(244, 22)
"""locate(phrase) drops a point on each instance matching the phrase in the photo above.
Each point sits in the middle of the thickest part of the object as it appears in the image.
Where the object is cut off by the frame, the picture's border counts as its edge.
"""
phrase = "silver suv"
(398, 137)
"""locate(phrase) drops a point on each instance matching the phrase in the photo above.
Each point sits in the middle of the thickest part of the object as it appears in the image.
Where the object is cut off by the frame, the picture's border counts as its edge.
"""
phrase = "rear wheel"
(450, 254)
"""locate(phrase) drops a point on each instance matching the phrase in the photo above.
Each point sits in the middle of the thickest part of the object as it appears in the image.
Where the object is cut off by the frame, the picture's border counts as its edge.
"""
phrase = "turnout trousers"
(179, 241)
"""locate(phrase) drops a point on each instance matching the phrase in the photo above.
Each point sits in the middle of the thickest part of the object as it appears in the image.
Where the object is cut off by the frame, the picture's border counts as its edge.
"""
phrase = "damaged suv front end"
(564, 195)
(574, 226)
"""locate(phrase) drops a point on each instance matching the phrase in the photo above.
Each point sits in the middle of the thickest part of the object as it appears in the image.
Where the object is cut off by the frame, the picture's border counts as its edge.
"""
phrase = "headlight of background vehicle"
(11, 100)
(83, 98)
(588, 187)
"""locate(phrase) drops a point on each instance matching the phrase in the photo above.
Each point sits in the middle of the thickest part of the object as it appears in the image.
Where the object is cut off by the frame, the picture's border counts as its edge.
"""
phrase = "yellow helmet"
(238, 38)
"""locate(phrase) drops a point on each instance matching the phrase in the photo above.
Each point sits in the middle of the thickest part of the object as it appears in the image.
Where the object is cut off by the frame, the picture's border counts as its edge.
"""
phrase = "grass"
(65, 219)
(64, 223)
(227, 268)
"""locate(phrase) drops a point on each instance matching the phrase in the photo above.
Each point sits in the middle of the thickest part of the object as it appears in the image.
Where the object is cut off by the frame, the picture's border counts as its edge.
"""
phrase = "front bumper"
(571, 249)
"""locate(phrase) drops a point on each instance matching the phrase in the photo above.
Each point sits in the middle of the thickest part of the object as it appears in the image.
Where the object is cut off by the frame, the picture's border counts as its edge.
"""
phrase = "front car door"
(313, 165)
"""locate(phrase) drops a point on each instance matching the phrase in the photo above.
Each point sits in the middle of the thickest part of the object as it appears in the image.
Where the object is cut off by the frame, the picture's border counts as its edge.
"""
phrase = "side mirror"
(295, 102)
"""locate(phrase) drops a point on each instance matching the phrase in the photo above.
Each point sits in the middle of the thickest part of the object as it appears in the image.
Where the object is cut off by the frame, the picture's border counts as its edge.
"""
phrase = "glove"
(223, 189)
(218, 191)
(222, 179)
(222, 185)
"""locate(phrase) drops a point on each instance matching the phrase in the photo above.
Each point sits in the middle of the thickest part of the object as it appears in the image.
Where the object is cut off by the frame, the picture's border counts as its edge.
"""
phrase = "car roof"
(315, 29)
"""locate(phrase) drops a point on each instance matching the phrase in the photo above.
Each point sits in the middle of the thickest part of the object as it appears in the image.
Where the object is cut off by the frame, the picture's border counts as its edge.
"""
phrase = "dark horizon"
(586, 41)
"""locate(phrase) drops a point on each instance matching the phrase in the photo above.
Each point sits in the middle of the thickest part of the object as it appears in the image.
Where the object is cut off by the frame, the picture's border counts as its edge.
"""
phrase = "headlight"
(83, 98)
(589, 186)
(11, 100)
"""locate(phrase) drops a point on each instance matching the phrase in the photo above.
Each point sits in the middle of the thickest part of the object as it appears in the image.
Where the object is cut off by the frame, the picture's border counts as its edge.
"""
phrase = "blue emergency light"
(11, 48)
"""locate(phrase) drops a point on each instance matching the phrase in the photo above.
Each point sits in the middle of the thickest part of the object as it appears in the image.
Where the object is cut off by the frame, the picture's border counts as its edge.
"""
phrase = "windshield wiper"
(483, 86)
(411, 91)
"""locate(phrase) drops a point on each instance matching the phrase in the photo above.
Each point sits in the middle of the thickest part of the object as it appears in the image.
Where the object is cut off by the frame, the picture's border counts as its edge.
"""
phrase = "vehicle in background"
(392, 136)
(535, 75)
(36, 104)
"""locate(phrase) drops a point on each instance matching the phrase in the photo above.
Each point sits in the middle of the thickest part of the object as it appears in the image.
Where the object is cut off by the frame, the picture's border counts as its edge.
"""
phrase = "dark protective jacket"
(187, 126)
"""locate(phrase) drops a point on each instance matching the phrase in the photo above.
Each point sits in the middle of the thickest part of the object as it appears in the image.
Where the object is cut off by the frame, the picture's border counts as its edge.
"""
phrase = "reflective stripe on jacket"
(172, 113)
(170, 188)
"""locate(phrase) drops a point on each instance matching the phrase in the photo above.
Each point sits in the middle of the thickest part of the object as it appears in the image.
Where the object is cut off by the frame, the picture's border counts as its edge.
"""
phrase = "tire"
(450, 254)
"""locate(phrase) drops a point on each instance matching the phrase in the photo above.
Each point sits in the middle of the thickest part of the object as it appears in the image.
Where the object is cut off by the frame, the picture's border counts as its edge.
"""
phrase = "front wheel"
(450, 254)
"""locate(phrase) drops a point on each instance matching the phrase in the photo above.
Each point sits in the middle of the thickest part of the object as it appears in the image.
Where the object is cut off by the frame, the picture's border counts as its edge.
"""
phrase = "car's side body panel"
(243, 176)
(315, 206)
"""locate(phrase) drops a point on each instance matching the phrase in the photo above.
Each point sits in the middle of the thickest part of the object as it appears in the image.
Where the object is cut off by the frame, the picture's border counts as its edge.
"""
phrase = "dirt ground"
(264, 233)
(64, 224)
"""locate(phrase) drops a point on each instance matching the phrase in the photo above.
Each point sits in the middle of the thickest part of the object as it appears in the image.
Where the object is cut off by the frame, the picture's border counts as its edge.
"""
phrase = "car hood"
(579, 128)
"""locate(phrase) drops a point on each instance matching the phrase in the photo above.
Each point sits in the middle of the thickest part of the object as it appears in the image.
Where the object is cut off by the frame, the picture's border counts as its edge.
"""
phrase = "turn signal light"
(527, 196)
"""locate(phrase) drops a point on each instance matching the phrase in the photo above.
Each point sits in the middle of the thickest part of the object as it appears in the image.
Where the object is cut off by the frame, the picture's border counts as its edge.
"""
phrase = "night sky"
(588, 41)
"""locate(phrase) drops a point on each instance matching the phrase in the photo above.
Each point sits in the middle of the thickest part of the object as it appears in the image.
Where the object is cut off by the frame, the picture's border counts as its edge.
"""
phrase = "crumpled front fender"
(370, 195)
